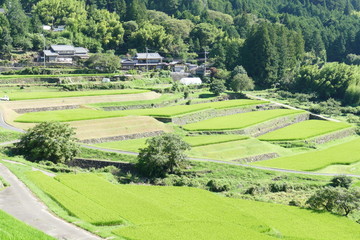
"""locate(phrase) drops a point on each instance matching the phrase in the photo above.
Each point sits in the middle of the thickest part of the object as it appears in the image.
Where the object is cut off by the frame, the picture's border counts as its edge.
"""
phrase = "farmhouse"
(64, 53)
(144, 61)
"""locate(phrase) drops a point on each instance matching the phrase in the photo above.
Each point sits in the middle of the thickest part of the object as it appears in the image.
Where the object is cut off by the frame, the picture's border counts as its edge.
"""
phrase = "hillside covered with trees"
(278, 42)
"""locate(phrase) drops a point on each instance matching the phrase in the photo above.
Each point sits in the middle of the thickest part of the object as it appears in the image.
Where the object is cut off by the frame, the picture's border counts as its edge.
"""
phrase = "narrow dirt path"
(18, 201)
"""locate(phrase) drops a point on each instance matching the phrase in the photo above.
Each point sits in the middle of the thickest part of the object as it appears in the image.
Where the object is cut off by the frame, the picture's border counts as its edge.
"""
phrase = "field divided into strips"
(304, 130)
(75, 203)
(195, 141)
(18, 95)
(345, 153)
(13, 229)
(159, 213)
(88, 114)
(239, 121)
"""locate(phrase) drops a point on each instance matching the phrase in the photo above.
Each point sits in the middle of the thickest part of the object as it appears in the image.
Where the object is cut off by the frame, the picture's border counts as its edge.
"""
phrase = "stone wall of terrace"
(91, 163)
(43, 109)
(257, 158)
(212, 113)
(333, 136)
(262, 128)
(122, 137)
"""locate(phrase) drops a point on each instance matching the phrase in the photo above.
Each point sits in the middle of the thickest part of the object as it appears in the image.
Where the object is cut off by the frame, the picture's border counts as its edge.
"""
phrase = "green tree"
(19, 22)
(52, 141)
(104, 62)
(341, 181)
(242, 82)
(164, 154)
(217, 86)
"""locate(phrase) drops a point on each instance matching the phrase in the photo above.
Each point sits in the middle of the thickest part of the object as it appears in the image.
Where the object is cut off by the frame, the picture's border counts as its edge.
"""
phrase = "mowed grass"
(195, 141)
(239, 121)
(13, 229)
(26, 95)
(345, 153)
(159, 213)
(304, 130)
(75, 203)
(88, 114)
(7, 135)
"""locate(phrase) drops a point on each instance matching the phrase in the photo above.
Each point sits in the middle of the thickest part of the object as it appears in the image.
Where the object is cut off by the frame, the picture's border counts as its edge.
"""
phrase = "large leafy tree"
(105, 62)
(52, 141)
(164, 154)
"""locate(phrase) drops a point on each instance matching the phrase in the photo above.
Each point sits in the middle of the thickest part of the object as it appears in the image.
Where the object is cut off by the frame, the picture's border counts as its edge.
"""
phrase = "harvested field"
(345, 153)
(304, 130)
(239, 121)
(112, 127)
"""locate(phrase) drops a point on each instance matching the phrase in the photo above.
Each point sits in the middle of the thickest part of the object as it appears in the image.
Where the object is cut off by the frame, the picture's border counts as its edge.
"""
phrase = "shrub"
(217, 186)
(341, 181)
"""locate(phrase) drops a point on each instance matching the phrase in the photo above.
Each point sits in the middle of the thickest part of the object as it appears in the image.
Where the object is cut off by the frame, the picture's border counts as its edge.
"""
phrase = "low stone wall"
(140, 106)
(262, 128)
(29, 110)
(333, 136)
(91, 163)
(257, 158)
(212, 113)
(122, 137)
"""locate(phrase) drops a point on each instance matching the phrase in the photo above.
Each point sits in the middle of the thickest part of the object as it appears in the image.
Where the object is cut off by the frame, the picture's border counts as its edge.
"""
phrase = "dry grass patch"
(111, 127)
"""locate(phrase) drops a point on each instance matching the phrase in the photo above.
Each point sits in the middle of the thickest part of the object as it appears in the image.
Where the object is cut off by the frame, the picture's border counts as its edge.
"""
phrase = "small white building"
(191, 81)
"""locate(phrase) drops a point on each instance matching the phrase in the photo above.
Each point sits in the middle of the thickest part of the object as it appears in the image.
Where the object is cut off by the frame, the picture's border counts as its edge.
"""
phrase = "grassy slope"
(61, 94)
(239, 121)
(304, 130)
(188, 213)
(87, 114)
(7, 135)
(13, 229)
(345, 153)
(55, 76)
(135, 144)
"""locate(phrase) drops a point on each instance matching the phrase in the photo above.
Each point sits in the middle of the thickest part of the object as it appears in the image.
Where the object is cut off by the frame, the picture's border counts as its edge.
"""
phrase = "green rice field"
(345, 153)
(28, 95)
(195, 141)
(159, 213)
(239, 121)
(13, 229)
(87, 114)
(304, 130)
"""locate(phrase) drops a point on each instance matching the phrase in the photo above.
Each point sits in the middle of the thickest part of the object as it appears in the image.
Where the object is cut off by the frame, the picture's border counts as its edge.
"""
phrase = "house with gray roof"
(65, 53)
(143, 61)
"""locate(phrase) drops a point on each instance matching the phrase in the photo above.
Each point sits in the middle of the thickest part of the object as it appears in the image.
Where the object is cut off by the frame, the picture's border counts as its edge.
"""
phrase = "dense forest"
(279, 42)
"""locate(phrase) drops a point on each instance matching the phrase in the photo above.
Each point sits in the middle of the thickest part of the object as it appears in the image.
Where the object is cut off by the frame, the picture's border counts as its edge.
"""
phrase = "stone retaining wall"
(29, 110)
(140, 106)
(262, 128)
(333, 136)
(91, 163)
(123, 137)
(257, 158)
(212, 113)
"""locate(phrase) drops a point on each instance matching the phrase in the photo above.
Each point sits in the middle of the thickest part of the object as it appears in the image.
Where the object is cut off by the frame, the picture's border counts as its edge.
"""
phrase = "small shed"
(191, 81)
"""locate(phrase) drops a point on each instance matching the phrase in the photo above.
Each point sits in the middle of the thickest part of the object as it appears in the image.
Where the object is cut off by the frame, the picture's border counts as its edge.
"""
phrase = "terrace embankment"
(212, 113)
(123, 137)
(93, 163)
(262, 128)
(257, 158)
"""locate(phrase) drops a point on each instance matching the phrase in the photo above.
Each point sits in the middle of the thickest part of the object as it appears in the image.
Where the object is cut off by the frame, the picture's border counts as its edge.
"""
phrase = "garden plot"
(240, 121)
(118, 128)
(154, 212)
(304, 130)
(345, 153)
(88, 114)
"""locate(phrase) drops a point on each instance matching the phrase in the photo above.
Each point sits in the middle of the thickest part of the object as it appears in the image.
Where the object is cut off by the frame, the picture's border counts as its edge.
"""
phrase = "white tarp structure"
(191, 81)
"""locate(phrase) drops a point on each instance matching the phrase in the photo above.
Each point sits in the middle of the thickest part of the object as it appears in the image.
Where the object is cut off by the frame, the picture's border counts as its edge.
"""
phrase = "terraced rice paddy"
(88, 114)
(112, 127)
(18, 95)
(345, 153)
(188, 213)
(239, 121)
(13, 229)
(304, 130)
(195, 141)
